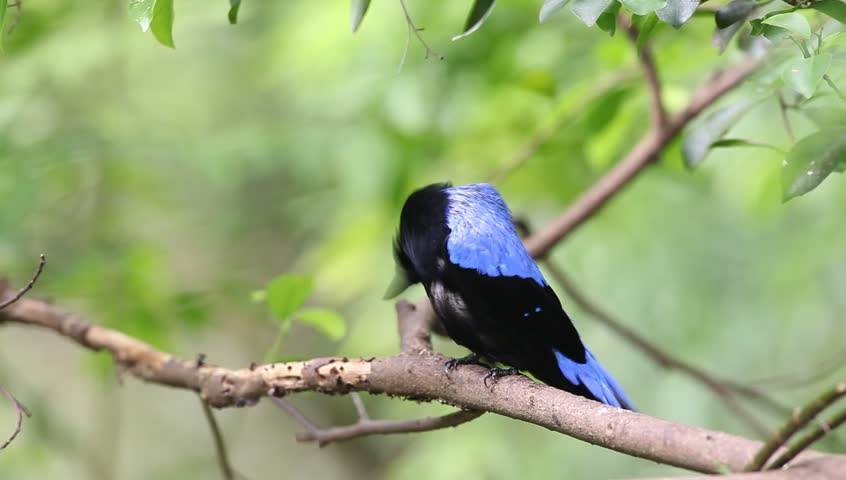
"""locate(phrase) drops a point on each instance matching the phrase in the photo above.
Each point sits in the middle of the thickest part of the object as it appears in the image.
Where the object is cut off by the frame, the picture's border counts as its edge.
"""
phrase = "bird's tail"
(595, 378)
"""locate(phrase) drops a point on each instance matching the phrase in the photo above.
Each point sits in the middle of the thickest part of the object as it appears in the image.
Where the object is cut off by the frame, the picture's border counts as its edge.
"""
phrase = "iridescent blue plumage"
(482, 235)
(460, 242)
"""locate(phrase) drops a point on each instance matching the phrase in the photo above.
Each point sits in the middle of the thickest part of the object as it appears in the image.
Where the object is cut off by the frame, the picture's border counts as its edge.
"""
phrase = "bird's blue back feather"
(595, 378)
(482, 236)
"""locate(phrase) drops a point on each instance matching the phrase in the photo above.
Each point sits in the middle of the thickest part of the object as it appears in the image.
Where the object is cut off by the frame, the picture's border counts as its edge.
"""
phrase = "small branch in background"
(819, 432)
(642, 155)
(359, 406)
(800, 418)
(834, 87)
(28, 286)
(805, 376)
(219, 445)
(650, 74)
(365, 426)
(416, 31)
(20, 411)
(783, 107)
(17, 6)
(726, 390)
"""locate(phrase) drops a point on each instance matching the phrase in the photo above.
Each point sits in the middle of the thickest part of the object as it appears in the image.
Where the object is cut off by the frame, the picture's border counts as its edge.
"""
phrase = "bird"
(460, 242)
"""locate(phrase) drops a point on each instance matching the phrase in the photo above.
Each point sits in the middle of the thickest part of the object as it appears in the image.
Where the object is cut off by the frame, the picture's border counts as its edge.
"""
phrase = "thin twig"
(42, 260)
(804, 377)
(365, 426)
(834, 87)
(416, 32)
(359, 406)
(20, 411)
(797, 421)
(650, 74)
(819, 432)
(785, 119)
(219, 445)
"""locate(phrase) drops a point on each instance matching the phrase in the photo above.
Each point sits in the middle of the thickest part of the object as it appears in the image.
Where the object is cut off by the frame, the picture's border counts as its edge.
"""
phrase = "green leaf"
(330, 322)
(286, 293)
(805, 74)
(645, 29)
(835, 9)
(589, 11)
(699, 139)
(793, 22)
(739, 142)
(831, 114)
(758, 26)
(643, 7)
(722, 36)
(734, 12)
(549, 7)
(480, 12)
(607, 22)
(258, 296)
(834, 40)
(539, 81)
(141, 11)
(357, 11)
(4, 6)
(677, 12)
(811, 160)
(234, 6)
(192, 308)
(162, 24)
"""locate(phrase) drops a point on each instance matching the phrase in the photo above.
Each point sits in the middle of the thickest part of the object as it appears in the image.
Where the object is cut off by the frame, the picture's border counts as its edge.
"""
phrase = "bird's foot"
(472, 359)
(495, 373)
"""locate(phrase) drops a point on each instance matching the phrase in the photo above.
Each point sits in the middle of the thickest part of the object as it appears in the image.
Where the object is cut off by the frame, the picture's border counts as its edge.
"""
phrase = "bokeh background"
(167, 185)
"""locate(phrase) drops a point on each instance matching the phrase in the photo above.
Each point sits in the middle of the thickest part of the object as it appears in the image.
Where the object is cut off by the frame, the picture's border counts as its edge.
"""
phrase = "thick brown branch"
(821, 468)
(642, 155)
(797, 421)
(420, 377)
(20, 411)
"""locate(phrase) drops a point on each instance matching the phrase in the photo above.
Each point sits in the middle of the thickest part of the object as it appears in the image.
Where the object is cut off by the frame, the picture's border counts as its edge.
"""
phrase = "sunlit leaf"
(286, 293)
(830, 114)
(734, 12)
(676, 12)
(699, 139)
(589, 11)
(549, 7)
(141, 11)
(4, 6)
(811, 160)
(480, 12)
(805, 74)
(835, 9)
(234, 6)
(162, 24)
(607, 22)
(357, 11)
(539, 81)
(258, 296)
(330, 322)
(793, 22)
(833, 41)
(643, 7)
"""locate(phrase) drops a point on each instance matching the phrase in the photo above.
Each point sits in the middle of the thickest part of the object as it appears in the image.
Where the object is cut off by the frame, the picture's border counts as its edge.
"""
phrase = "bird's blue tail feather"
(595, 378)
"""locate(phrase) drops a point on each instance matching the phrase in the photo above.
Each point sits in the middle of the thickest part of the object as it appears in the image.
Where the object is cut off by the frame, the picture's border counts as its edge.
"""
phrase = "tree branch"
(817, 433)
(797, 421)
(650, 74)
(219, 444)
(417, 376)
(366, 427)
(642, 155)
(20, 411)
(820, 468)
(26, 287)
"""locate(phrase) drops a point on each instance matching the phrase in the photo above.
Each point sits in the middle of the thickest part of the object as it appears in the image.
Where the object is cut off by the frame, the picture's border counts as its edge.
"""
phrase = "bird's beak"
(398, 284)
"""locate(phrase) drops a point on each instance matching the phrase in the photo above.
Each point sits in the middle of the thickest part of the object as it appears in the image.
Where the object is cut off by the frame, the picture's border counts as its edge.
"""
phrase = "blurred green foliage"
(167, 185)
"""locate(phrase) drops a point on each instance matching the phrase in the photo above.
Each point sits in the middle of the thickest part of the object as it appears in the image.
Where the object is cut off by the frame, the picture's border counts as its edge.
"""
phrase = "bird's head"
(421, 238)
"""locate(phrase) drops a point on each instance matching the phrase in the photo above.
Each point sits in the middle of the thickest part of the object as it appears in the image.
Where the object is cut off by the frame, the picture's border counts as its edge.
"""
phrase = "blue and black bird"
(461, 244)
